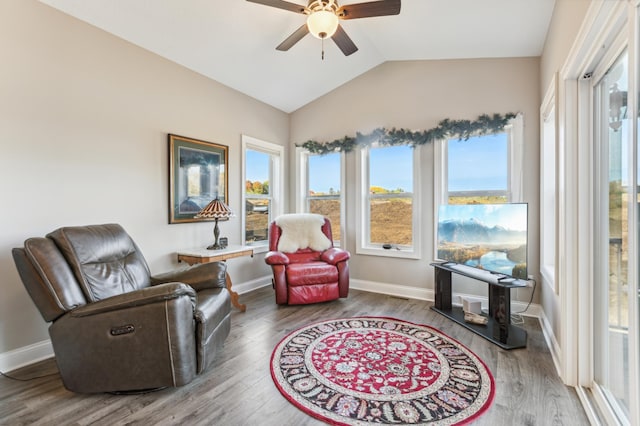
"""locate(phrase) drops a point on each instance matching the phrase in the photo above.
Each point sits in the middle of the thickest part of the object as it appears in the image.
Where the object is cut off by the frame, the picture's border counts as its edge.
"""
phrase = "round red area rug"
(358, 371)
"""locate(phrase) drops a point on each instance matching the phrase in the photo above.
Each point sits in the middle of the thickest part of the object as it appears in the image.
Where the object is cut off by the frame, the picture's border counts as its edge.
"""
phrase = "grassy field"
(391, 221)
(491, 199)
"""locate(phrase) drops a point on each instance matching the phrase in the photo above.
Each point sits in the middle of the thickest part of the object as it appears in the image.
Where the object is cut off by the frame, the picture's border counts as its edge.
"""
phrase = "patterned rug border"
(488, 403)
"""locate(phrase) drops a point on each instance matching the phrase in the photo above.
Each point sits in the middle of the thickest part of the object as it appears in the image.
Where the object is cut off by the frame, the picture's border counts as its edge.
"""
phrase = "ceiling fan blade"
(293, 38)
(370, 9)
(344, 42)
(281, 4)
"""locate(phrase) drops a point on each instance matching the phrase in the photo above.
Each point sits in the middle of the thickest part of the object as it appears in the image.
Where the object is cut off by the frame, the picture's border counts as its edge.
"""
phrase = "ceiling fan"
(323, 16)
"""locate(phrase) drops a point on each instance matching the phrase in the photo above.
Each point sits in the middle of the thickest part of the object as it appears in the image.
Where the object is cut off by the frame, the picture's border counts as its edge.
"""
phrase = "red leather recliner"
(303, 274)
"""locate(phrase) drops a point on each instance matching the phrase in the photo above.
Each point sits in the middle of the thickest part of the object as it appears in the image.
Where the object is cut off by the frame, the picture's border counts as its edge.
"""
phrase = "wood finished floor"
(238, 390)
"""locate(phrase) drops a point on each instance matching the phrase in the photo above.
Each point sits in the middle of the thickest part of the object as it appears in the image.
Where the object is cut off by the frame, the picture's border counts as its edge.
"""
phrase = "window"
(477, 170)
(321, 188)
(548, 147)
(388, 220)
(482, 169)
(263, 177)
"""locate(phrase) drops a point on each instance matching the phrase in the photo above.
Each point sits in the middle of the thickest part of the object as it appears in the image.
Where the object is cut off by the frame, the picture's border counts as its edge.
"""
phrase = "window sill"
(392, 252)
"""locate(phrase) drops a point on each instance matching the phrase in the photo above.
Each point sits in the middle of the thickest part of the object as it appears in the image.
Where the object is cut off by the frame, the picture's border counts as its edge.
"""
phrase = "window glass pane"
(324, 189)
(257, 222)
(391, 169)
(611, 288)
(391, 221)
(390, 200)
(329, 207)
(479, 164)
(477, 199)
(257, 172)
(548, 196)
(324, 174)
(257, 199)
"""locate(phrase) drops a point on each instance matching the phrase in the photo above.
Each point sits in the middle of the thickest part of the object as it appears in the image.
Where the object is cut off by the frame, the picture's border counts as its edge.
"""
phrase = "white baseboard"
(552, 343)
(255, 284)
(533, 310)
(392, 289)
(25, 355)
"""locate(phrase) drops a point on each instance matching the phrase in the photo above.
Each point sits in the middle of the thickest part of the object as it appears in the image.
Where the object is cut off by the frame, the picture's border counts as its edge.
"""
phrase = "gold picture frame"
(197, 174)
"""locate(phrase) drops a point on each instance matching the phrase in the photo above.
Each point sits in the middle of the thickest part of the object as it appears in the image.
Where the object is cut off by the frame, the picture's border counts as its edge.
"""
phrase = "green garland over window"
(462, 129)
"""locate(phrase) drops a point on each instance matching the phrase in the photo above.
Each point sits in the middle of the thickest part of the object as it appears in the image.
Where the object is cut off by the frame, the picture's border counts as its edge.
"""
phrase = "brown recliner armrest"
(137, 298)
(199, 277)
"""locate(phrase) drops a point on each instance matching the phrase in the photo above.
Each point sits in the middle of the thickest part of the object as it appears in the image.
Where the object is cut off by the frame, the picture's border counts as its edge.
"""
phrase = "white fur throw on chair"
(301, 230)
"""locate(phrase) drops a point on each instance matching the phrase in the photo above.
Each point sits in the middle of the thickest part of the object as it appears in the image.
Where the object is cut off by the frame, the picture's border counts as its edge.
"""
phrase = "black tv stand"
(498, 329)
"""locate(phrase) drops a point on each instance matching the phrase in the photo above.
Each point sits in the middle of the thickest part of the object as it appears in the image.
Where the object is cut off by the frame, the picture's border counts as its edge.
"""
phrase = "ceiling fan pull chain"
(322, 49)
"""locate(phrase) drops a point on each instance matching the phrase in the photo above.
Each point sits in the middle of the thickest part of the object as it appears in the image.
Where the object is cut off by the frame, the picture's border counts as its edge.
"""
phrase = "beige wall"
(84, 118)
(567, 19)
(565, 24)
(417, 95)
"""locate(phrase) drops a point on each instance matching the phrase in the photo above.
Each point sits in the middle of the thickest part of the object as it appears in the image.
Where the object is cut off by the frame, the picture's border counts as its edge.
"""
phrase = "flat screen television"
(492, 237)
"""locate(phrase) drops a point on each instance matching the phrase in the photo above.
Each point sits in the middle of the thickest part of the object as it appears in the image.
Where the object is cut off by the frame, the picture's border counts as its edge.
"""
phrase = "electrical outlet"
(530, 277)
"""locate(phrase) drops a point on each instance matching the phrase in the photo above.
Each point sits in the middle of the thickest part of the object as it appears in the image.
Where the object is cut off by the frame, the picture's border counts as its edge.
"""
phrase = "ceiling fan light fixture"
(322, 24)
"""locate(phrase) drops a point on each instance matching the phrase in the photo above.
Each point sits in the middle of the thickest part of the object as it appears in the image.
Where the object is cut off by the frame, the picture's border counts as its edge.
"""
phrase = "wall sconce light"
(617, 107)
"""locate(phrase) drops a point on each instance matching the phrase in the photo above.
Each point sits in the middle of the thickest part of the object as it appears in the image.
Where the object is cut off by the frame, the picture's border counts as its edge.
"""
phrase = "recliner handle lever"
(123, 329)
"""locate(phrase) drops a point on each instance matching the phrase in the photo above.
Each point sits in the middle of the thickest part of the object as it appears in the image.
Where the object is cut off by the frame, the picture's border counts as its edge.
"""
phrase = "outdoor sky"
(475, 164)
(478, 164)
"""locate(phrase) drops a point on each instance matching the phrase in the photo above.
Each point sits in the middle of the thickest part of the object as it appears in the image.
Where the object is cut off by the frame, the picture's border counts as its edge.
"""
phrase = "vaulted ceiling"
(233, 41)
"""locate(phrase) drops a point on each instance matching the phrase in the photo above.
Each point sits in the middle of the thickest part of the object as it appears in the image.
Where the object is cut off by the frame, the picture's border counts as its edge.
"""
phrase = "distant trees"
(381, 190)
(331, 192)
(256, 187)
(372, 189)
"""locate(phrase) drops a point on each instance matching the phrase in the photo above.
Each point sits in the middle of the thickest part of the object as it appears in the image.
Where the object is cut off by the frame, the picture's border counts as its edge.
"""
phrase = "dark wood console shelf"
(498, 329)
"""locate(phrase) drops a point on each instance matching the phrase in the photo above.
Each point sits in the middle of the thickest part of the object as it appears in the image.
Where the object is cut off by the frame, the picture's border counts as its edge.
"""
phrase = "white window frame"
(363, 246)
(514, 131)
(549, 187)
(515, 147)
(598, 42)
(302, 189)
(486, 192)
(276, 183)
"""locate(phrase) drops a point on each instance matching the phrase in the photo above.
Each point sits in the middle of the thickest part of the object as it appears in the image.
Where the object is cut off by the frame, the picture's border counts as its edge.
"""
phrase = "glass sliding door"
(613, 194)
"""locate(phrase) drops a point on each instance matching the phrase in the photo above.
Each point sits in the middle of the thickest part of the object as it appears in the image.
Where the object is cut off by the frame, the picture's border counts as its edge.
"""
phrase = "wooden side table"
(202, 255)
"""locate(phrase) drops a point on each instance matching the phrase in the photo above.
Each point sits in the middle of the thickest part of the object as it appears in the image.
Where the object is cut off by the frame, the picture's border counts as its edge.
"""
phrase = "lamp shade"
(322, 23)
(216, 209)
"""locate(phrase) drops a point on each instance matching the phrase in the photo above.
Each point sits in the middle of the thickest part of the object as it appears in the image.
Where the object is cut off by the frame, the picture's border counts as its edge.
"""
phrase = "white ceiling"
(233, 41)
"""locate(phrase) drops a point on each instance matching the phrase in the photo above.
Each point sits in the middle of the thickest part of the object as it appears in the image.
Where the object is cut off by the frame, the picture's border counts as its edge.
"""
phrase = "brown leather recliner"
(114, 327)
(307, 268)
